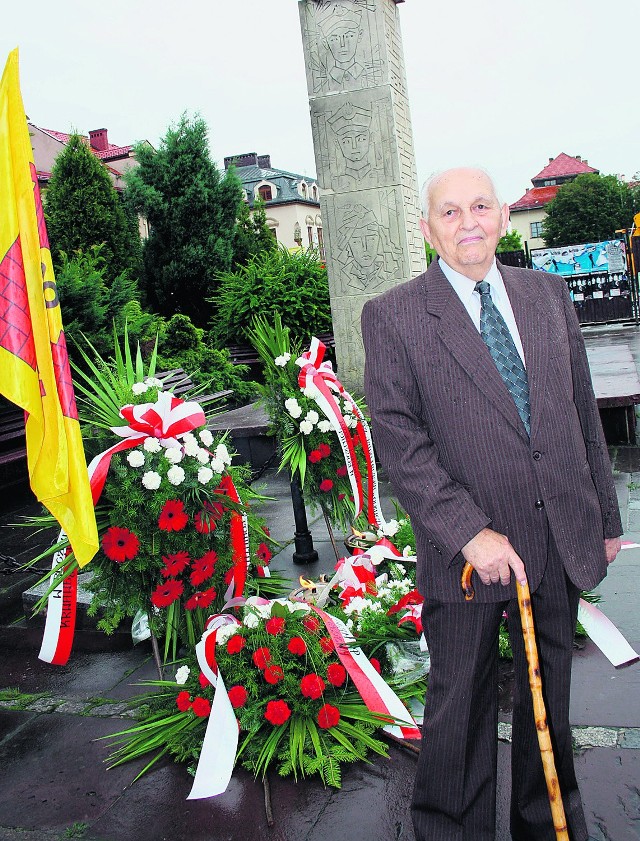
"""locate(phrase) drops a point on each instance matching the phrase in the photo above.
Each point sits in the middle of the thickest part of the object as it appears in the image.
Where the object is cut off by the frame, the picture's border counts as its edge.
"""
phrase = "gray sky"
(500, 84)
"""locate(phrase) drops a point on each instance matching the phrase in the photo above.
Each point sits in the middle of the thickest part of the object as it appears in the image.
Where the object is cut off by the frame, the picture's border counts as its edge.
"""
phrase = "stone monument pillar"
(364, 157)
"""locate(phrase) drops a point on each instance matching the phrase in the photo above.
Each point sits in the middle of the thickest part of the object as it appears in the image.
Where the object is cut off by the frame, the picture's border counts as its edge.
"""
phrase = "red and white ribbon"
(239, 536)
(60, 623)
(374, 691)
(605, 635)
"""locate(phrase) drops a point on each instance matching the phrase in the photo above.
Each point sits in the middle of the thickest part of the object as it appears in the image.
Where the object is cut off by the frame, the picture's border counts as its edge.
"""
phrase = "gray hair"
(425, 192)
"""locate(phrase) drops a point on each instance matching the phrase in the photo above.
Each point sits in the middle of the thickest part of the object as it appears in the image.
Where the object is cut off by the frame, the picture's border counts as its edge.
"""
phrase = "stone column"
(364, 157)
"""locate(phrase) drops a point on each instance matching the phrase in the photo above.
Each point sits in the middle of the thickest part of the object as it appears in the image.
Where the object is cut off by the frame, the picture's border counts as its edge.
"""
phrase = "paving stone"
(630, 738)
(594, 737)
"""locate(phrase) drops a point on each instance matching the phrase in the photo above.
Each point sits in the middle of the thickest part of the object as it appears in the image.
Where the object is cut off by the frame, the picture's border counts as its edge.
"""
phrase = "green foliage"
(84, 210)
(511, 241)
(191, 211)
(589, 209)
(293, 285)
(252, 235)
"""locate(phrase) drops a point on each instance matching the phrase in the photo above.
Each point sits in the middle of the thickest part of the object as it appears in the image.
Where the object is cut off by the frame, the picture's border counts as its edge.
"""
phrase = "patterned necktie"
(499, 341)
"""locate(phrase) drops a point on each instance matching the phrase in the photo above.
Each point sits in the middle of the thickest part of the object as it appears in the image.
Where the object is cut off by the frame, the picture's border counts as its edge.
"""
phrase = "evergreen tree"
(511, 241)
(192, 212)
(252, 234)
(83, 210)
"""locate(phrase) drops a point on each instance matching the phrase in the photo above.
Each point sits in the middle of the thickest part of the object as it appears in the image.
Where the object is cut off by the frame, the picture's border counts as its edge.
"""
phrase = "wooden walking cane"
(539, 711)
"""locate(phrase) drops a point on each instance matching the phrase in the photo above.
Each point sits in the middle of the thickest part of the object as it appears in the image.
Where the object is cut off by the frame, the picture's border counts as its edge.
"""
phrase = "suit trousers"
(455, 788)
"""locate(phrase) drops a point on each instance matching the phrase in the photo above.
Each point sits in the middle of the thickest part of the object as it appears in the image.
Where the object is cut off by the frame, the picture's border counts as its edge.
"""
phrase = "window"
(550, 183)
(265, 192)
(310, 234)
(315, 193)
(303, 190)
(320, 243)
(536, 229)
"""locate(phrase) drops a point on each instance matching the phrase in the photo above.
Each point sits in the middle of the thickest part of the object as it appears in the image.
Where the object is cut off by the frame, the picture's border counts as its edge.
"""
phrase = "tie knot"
(482, 287)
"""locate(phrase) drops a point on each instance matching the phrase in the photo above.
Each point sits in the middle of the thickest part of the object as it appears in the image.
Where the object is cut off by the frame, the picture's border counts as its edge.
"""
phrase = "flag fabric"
(34, 366)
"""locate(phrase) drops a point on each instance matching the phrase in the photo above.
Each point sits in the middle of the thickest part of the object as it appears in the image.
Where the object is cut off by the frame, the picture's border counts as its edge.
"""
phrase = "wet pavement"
(55, 784)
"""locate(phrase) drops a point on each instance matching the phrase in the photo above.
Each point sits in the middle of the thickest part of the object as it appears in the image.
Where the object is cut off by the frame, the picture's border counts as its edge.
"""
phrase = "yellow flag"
(34, 366)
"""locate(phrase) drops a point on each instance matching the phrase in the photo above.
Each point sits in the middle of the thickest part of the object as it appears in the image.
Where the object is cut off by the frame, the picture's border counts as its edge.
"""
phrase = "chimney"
(98, 139)
(550, 160)
(248, 159)
(264, 161)
(578, 158)
(527, 189)
(585, 162)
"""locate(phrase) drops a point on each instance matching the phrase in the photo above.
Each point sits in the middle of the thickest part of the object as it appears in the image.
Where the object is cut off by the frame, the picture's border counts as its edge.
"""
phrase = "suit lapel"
(462, 339)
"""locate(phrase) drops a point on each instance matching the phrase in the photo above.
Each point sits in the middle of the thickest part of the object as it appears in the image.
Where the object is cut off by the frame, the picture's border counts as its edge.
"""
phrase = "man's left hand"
(612, 546)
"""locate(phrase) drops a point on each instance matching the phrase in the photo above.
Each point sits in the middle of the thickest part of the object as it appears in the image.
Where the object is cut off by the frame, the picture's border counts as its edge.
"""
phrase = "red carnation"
(336, 674)
(273, 674)
(314, 456)
(203, 680)
(261, 657)
(342, 471)
(235, 644)
(275, 625)
(277, 712)
(311, 623)
(326, 485)
(376, 664)
(203, 568)
(202, 599)
(201, 707)
(312, 686)
(341, 497)
(165, 594)
(173, 516)
(120, 544)
(297, 646)
(324, 450)
(174, 564)
(238, 696)
(263, 553)
(183, 701)
(327, 645)
(328, 716)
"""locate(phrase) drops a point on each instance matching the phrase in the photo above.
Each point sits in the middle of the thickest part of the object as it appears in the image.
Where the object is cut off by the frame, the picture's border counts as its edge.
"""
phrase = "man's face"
(355, 144)
(465, 221)
(364, 246)
(343, 43)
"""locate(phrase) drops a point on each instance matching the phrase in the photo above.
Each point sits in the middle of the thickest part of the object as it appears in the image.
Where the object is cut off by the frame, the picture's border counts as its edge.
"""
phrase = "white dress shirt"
(464, 289)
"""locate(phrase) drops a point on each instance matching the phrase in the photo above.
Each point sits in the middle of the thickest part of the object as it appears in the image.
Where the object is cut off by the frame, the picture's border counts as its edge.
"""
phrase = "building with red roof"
(528, 213)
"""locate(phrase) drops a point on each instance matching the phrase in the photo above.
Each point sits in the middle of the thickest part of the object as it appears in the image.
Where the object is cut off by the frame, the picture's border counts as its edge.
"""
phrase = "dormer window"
(265, 192)
(315, 193)
(303, 190)
(550, 182)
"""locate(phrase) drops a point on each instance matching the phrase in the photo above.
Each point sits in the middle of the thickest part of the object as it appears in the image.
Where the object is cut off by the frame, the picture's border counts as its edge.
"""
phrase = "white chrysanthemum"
(389, 528)
(306, 427)
(226, 632)
(349, 624)
(151, 480)
(139, 388)
(206, 437)
(182, 675)
(281, 361)
(250, 621)
(293, 407)
(222, 453)
(135, 458)
(175, 475)
(407, 552)
(253, 604)
(205, 474)
(191, 447)
(324, 426)
(217, 465)
(355, 605)
(311, 391)
(402, 570)
(173, 454)
(189, 436)
(351, 421)
(153, 382)
(312, 416)
(152, 445)
(203, 456)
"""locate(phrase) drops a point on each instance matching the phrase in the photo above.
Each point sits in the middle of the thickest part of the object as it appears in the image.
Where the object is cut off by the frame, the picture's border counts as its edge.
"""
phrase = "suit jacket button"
(539, 504)
(537, 455)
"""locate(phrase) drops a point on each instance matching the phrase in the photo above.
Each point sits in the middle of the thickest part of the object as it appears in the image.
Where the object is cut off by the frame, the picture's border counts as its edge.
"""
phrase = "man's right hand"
(493, 558)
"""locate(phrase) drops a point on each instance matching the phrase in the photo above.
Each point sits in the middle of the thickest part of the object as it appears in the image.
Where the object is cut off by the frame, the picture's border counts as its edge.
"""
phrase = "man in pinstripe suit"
(522, 494)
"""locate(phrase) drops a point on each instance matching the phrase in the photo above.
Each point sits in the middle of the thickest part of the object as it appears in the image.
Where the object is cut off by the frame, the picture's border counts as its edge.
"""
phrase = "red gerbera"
(261, 657)
(326, 485)
(314, 456)
(173, 516)
(202, 599)
(336, 674)
(183, 701)
(342, 471)
(238, 696)
(202, 568)
(324, 450)
(235, 644)
(165, 594)
(328, 716)
(263, 553)
(277, 712)
(273, 674)
(311, 623)
(275, 625)
(327, 644)
(297, 646)
(174, 564)
(120, 544)
(201, 707)
(312, 686)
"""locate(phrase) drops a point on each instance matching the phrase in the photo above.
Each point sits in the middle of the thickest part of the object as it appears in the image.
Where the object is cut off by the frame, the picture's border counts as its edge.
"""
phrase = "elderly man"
(485, 419)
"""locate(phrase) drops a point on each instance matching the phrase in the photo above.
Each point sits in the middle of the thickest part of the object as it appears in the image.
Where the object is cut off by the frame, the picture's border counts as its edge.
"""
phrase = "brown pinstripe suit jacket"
(449, 435)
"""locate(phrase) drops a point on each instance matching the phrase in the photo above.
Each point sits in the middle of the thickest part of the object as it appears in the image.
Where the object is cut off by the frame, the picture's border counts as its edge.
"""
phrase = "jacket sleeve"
(587, 407)
(442, 507)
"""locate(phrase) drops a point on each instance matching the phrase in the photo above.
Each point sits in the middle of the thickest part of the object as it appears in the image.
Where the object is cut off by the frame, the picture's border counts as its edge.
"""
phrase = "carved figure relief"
(366, 254)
